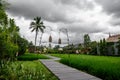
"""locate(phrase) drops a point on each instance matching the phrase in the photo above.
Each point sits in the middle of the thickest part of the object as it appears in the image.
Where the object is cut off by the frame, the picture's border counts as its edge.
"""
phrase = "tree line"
(11, 42)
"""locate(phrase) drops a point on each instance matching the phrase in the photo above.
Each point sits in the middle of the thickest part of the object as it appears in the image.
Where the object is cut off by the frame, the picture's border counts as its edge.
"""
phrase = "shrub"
(22, 45)
(31, 56)
(7, 48)
(18, 71)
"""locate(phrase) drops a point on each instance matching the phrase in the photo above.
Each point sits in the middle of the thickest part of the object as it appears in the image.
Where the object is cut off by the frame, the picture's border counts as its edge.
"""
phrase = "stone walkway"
(64, 72)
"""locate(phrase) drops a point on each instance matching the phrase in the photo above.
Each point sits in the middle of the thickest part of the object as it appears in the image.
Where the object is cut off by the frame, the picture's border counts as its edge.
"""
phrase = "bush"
(11, 50)
(22, 45)
(31, 57)
(7, 49)
(24, 71)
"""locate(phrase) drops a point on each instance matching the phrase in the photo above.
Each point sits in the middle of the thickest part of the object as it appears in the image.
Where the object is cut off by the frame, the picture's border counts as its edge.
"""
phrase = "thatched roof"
(113, 38)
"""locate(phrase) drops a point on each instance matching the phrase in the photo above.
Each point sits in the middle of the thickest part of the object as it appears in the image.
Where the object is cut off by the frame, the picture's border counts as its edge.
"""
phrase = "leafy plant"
(24, 71)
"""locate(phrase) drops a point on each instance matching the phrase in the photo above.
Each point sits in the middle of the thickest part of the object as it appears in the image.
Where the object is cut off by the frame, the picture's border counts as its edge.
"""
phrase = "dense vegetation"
(13, 47)
(31, 56)
(24, 70)
(11, 42)
(107, 68)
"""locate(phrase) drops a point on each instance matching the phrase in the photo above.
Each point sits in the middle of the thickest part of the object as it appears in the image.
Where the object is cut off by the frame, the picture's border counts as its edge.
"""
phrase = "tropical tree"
(7, 48)
(118, 47)
(103, 47)
(37, 25)
(11, 42)
(13, 30)
(87, 42)
(93, 46)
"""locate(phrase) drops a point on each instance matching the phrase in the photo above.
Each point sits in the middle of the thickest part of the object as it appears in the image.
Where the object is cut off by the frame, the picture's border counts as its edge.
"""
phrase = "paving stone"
(64, 72)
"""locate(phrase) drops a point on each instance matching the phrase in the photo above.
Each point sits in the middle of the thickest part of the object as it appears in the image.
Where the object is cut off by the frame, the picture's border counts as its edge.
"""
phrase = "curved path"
(64, 72)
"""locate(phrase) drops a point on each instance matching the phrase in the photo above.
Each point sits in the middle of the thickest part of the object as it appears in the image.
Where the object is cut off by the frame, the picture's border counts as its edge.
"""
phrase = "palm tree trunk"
(40, 39)
(35, 39)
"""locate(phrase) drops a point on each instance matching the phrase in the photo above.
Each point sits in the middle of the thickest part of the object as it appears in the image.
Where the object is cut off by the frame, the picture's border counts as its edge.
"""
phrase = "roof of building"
(113, 38)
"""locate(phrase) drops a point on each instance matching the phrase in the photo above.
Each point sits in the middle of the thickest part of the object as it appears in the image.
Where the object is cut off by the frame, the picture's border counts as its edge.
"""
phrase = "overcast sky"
(97, 18)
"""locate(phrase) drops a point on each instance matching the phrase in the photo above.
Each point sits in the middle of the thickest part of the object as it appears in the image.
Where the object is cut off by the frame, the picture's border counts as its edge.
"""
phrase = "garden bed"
(25, 70)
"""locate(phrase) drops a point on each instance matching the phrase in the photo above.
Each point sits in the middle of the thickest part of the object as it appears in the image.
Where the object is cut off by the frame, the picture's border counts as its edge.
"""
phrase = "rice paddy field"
(104, 67)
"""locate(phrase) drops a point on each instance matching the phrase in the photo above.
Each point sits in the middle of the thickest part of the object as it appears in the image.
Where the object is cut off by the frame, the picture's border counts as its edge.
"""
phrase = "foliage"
(86, 43)
(7, 49)
(118, 47)
(23, 44)
(10, 39)
(87, 40)
(31, 57)
(56, 47)
(27, 70)
(93, 48)
(107, 68)
(103, 47)
(3, 16)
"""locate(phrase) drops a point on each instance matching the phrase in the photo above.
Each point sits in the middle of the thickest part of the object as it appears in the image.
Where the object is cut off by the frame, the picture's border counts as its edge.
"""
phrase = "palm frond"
(41, 22)
(33, 30)
(43, 26)
(42, 30)
(37, 25)
(32, 23)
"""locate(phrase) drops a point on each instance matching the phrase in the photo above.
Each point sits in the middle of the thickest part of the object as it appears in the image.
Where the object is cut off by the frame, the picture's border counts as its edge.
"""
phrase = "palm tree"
(37, 25)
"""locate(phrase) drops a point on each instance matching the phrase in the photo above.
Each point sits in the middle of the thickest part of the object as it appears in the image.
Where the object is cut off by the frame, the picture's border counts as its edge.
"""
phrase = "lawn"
(25, 70)
(106, 68)
(31, 56)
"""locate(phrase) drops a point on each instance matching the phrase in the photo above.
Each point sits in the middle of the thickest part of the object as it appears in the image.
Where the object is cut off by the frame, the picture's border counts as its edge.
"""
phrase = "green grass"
(25, 70)
(107, 68)
(31, 56)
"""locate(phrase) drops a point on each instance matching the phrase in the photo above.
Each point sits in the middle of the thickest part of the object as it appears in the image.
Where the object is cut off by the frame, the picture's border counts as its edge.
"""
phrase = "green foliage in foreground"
(31, 56)
(24, 70)
(107, 68)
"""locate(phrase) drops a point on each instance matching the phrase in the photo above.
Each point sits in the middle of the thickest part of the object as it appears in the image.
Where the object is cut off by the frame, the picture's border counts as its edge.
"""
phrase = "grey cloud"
(115, 21)
(110, 6)
(86, 28)
(47, 9)
(81, 4)
(54, 11)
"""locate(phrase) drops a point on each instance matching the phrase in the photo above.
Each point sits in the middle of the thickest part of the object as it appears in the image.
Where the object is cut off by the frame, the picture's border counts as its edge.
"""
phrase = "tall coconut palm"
(41, 38)
(37, 25)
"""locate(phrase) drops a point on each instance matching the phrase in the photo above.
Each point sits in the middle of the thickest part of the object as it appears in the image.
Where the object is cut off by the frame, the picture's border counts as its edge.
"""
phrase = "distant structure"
(50, 41)
(113, 38)
(113, 41)
(59, 41)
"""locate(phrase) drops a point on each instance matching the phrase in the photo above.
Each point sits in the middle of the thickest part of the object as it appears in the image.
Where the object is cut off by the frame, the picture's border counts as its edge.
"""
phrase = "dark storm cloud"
(77, 3)
(49, 10)
(112, 7)
(44, 8)
(75, 15)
